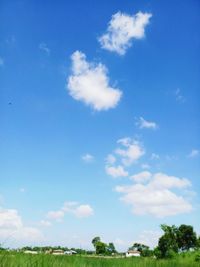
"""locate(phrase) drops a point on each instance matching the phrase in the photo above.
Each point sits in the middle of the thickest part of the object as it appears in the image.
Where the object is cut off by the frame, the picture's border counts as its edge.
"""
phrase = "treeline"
(174, 241)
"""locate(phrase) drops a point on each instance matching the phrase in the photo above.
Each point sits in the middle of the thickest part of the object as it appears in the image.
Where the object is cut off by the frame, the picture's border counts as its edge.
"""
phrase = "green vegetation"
(176, 240)
(102, 248)
(178, 246)
(10, 259)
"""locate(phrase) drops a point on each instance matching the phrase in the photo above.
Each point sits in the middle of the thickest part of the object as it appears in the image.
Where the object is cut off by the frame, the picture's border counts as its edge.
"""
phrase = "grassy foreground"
(22, 260)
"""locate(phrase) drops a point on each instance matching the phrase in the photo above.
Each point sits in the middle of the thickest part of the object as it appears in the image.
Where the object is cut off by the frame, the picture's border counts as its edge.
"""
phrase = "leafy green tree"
(138, 247)
(167, 244)
(145, 251)
(111, 249)
(95, 240)
(186, 237)
(101, 248)
(198, 243)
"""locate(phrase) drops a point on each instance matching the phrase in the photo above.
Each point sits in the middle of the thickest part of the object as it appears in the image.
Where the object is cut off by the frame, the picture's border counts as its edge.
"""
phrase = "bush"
(197, 257)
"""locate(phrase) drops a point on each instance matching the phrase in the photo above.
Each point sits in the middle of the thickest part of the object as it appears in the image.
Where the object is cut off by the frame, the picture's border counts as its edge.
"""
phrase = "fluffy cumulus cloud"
(142, 124)
(116, 171)
(55, 215)
(141, 177)
(80, 211)
(160, 196)
(122, 29)
(83, 211)
(13, 229)
(89, 83)
(130, 152)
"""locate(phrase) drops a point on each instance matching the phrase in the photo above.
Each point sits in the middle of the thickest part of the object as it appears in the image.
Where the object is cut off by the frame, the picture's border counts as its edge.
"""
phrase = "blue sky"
(99, 120)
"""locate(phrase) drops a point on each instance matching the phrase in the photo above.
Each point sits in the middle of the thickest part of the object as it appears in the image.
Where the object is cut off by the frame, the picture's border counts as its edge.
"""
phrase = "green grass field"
(22, 260)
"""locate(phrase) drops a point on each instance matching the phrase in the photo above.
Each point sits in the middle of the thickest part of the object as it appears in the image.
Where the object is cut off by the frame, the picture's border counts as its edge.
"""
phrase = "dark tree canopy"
(95, 240)
(175, 239)
(186, 237)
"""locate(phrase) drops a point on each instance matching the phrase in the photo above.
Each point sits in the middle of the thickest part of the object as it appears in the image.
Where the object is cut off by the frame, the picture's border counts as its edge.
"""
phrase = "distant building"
(133, 253)
(30, 252)
(70, 252)
(58, 252)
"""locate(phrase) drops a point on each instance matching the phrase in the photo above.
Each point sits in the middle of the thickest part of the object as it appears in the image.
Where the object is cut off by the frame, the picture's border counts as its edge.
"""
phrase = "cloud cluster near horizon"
(13, 229)
(154, 194)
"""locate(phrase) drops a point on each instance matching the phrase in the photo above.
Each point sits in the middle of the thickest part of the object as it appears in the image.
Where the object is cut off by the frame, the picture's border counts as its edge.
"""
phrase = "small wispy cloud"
(45, 48)
(179, 97)
(193, 153)
(88, 158)
(144, 124)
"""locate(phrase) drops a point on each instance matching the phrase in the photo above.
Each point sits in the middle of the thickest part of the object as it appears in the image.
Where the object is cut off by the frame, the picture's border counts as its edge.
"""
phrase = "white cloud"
(56, 215)
(88, 158)
(1, 62)
(128, 152)
(193, 153)
(45, 48)
(83, 211)
(132, 150)
(157, 197)
(117, 171)
(141, 177)
(12, 228)
(122, 29)
(80, 211)
(142, 123)
(9, 218)
(89, 83)
(110, 159)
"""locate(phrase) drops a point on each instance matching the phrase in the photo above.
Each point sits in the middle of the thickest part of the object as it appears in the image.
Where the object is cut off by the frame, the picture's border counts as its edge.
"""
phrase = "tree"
(138, 247)
(111, 249)
(145, 251)
(186, 237)
(167, 244)
(95, 240)
(100, 248)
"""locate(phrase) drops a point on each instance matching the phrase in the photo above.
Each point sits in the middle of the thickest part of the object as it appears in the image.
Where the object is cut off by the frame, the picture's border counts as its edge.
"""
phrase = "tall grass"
(9, 259)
